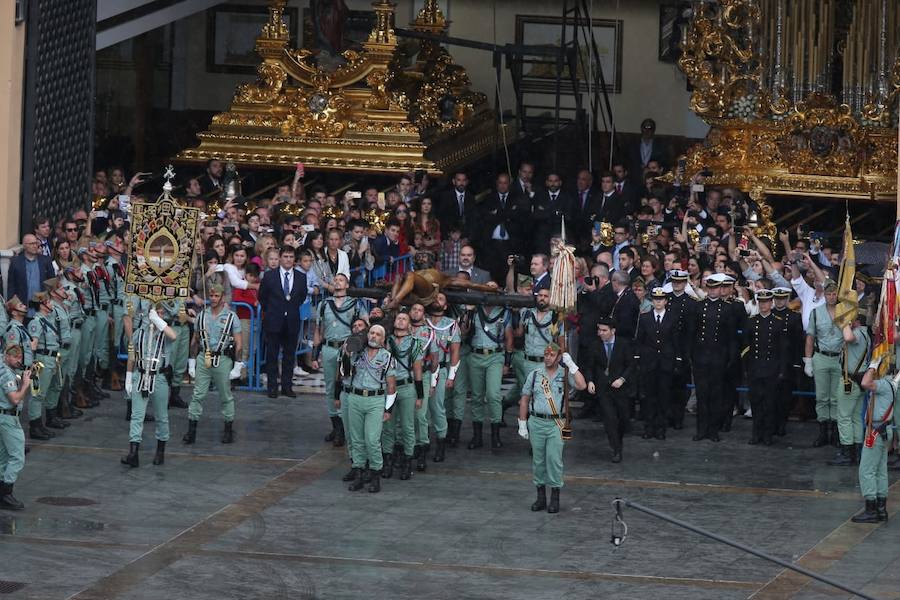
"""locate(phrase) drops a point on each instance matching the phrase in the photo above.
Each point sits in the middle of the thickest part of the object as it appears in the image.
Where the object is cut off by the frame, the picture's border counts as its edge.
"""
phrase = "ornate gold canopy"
(368, 113)
(800, 95)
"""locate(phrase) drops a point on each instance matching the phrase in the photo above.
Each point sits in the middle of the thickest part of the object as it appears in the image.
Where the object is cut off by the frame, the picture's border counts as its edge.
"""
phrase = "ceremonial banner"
(883, 341)
(161, 248)
(848, 301)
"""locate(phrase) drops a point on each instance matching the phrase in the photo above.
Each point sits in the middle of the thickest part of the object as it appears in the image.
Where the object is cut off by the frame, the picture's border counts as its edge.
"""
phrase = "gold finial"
(383, 32)
(168, 176)
(431, 16)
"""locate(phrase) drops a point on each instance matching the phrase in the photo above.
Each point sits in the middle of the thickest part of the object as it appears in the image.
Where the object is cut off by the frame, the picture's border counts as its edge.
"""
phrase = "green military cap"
(15, 304)
(39, 297)
(14, 350)
(829, 285)
(217, 288)
(552, 347)
(51, 284)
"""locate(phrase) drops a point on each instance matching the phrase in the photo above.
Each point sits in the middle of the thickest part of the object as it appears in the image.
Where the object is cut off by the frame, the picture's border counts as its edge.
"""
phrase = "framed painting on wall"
(674, 16)
(538, 73)
(231, 33)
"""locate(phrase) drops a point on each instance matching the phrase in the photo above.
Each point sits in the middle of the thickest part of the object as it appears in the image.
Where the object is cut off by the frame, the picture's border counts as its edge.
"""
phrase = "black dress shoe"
(661, 435)
(698, 437)
(288, 393)
(273, 393)
(678, 426)
(617, 456)
(753, 441)
(714, 437)
(647, 436)
(768, 441)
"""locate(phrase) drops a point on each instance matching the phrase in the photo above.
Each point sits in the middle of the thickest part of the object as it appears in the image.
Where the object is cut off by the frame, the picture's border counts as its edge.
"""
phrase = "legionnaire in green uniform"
(104, 317)
(408, 353)
(420, 330)
(217, 341)
(115, 270)
(541, 413)
(17, 334)
(849, 405)
(61, 304)
(71, 283)
(90, 333)
(178, 317)
(4, 316)
(880, 419)
(47, 340)
(491, 336)
(444, 368)
(12, 439)
(336, 316)
(538, 327)
(137, 311)
(458, 396)
(822, 362)
(350, 349)
(146, 381)
(371, 393)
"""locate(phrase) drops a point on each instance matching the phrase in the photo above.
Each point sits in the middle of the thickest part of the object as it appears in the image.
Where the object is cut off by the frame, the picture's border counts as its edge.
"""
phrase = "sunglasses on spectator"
(72, 229)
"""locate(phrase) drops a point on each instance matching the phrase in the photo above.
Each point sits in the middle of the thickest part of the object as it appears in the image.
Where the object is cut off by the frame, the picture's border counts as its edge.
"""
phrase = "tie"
(287, 284)
(608, 349)
(659, 319)
(461, 198)
(552, 197)
(503, 200)
(619, 187)
(583, 199)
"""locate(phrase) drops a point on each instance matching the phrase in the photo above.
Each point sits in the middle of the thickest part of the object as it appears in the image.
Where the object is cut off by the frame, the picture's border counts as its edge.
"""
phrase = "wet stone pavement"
(268, 517)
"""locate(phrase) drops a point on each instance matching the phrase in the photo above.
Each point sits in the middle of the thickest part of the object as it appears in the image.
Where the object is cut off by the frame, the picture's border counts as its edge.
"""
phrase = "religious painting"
(231, 33)
(161, 252)
(330, 28)
(673, 18)
(538, 73)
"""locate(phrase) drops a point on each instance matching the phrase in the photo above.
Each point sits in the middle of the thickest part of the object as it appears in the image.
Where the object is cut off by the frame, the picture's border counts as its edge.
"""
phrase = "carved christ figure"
(328, 17)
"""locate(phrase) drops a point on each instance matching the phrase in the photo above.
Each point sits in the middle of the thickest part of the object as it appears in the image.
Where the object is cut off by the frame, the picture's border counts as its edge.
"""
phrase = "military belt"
(362, 392)
(66, 345)
(540, 416)
(534, 358)
(830, 354)
(78, 325)
(404, 381)
(487, 351)
(46, 352)
(90, 312)
(9, 411)
(334, 344)
(104, 306)
(118, 302)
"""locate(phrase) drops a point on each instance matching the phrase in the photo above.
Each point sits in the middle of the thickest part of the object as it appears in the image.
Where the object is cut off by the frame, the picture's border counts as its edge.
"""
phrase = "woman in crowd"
(63, 257)
(428, 226)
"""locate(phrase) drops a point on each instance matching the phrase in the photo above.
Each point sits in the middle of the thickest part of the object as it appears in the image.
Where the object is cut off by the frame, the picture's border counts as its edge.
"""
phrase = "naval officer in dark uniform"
(682, 304)
(659, 358)
(765, 349)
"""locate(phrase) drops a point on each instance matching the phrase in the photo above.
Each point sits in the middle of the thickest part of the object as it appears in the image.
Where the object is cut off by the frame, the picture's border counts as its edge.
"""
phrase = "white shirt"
(236, 277)
(808, 299)
(659, 316)
(282, 273)
(500, 232)
(523, 185)
(646, 151)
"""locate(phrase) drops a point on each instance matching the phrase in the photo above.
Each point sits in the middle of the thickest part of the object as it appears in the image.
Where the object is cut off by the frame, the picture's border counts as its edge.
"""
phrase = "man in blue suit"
(29, 269)
(281, 293)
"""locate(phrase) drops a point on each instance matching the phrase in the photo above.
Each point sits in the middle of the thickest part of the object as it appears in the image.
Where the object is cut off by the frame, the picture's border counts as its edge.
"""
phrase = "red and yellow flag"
(848, 301)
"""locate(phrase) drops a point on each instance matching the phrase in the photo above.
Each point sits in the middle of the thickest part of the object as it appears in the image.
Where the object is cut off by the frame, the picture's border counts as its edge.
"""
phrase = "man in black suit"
(647, 149)
(211, 180)
(608, 205)
(659, 353)
(625, 305)
(28, 270)
(628, 192)
(610, 367)
(586, 210)
(503, 224)
(281, 293)
(549, 207)
(456, 206)
(524, 186)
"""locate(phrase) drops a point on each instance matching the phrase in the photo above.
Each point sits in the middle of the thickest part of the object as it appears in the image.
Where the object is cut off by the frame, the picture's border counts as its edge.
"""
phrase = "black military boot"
(405, 467)
(131, 459)
(387, 470)
(7, 500)
(228, 433)
(160, 456)
(823, 435)
(375, 483)
(331, 434)
(175, 400)
(833, 438)
(128, 410)
(350, 475)
(95, 373)
(541, 502)
(421, 458)
(844, 457)
(439, 450)
(453, 432)
(191, 436)
(339, 435)
(881, 508)
(857, 453)
(477, 439)
(869, 514)
(36, 432)
(553, 508)
(53, 421)
(495, 436)
(357, 484)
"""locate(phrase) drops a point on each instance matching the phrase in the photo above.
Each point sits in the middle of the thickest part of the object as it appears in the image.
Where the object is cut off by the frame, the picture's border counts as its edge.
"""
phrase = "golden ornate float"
(366, 112)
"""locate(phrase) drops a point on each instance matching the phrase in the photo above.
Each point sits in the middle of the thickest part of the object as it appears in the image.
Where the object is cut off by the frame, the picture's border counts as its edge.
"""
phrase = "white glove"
(389, 401)
(451, 372)
(876, 362)
(569, 363)
(128, 385)
(192, 367)
(236, 370)
(157, 321)
(434, 378)
(523, 429)
(807, 366)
